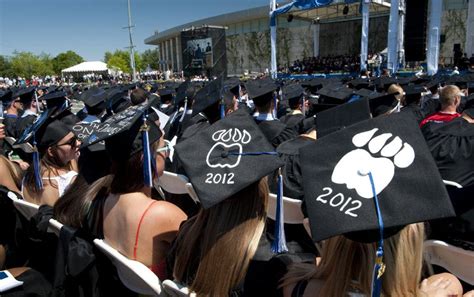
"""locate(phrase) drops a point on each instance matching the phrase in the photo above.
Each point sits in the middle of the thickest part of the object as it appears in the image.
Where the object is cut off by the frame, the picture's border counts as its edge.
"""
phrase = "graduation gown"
(276, 132)
(168, 110)
(23, 123)
(294, 121)
(452, 147)
(414, 109)
(10, 121)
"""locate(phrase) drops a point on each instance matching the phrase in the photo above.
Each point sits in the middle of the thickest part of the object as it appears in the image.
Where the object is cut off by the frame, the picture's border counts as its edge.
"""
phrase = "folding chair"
(176, 290)
(291, 208)
(456, 260)
(177, 184)
(133, 274)
(27, 209)
(55, 226)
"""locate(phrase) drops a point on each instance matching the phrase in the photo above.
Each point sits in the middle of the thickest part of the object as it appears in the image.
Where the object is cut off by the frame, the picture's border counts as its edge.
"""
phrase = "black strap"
(298, 290)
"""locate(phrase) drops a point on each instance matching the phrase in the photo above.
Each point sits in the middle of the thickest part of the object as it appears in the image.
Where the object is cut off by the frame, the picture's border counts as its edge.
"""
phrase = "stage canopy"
(87, 67)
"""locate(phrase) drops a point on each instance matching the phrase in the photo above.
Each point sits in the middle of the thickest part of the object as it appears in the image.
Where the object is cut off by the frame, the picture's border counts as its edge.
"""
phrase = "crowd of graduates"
(379, 166)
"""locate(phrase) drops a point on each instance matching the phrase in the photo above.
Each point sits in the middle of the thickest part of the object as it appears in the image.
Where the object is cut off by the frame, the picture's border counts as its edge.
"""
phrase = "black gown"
(276, 132)
(414, 109)
(294, 121)
(452, 147)
(23, 123)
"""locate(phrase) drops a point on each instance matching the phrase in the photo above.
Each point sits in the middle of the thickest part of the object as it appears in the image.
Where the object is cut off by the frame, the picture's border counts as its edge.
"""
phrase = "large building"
(327, 31)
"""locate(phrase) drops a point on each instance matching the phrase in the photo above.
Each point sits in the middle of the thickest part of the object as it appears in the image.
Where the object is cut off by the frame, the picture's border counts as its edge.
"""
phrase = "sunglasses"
(166, 148)
(72, 142)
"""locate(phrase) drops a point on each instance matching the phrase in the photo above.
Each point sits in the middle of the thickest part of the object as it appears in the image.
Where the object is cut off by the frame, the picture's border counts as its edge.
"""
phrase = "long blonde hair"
(347, 265)
(222, 240)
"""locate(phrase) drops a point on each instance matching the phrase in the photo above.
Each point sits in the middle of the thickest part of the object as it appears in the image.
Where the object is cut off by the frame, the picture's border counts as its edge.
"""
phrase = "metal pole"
(273, 65)
(364, 43)
(132, 52)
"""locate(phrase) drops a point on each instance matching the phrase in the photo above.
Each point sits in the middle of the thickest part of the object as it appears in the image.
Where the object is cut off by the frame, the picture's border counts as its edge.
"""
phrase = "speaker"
(457, 47)
(290, 18)
(415, 30)
(345, 10)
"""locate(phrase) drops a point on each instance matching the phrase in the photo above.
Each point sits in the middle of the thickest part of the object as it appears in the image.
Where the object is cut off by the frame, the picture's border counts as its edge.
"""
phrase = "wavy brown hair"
(222, 240)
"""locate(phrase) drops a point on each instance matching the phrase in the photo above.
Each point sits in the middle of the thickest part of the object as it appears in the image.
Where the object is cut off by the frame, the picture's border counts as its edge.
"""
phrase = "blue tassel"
(222, 109)
(185, 109)
(37, 167)
(147, 163)
(279, 243)
(379, 267)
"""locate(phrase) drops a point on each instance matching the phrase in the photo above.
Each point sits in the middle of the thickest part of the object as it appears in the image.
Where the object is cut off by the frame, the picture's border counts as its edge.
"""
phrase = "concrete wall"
(251, 51)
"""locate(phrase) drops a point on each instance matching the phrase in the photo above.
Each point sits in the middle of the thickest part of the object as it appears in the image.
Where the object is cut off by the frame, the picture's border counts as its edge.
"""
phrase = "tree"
(121, 59)
(151, 57)
(66, 60)
(5, 67)
(26, 64)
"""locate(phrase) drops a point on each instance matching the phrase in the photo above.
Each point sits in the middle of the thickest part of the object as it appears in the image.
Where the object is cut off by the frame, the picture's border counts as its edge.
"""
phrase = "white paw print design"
(227, 141)
(353, 168)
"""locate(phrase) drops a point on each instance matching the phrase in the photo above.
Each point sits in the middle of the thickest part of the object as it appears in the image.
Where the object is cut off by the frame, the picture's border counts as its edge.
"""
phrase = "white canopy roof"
(93, 66)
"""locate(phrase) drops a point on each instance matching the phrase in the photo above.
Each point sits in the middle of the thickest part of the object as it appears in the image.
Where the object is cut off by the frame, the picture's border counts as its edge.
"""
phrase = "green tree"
(5, 67)
(121, 59)
(151, 57)
(26, 64)
(66, 60)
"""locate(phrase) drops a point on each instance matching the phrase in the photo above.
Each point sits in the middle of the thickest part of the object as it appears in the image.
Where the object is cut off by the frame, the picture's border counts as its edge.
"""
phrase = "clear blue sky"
(91, 27)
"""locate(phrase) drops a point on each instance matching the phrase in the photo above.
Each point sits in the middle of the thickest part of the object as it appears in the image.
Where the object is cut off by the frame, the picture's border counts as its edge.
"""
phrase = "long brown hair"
(12, 171)
(222, 240)
(50, 164)
(346, 265)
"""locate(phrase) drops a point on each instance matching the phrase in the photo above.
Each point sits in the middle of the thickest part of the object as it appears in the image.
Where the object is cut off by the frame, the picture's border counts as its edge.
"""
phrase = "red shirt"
(440, 117)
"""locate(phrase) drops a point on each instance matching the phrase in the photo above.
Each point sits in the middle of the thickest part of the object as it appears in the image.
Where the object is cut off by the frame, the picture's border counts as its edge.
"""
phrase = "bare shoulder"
(164, 217)
(312, 289)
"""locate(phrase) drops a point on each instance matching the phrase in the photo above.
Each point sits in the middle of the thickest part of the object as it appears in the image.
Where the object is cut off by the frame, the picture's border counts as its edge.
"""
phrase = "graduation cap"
(359, 83)
(219, 159)
(45, 132)
(342, 116)
(320, 107)
(413, 93)
(261, 91)
(54, 99)
(25, 94)
(94, 99)
(232, 85)
(6, 98)
(125, 134)
(338, 187)
(207, 96)
(335, 94)
(383, 103)
(293, 93)
(166, 94)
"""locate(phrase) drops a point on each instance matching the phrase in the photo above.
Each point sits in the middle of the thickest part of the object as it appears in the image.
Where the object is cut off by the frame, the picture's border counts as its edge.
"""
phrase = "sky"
(92, 27)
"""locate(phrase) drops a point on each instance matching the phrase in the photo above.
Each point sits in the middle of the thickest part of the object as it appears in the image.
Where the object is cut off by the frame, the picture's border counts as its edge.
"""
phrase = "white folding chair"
(177, 184)
(133, 274)
(174, 289)
(55, 227)
(291, 208)
(27, 209)
(456, 260)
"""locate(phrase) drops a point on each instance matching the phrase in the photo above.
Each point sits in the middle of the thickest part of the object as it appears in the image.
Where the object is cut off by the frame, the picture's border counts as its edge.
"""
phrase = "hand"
(2, 131)
(23, 165)
(438, 287)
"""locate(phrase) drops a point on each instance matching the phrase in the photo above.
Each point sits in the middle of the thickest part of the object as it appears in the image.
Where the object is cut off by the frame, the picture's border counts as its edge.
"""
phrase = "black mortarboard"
(45, 131)
(166, 94)
(207, 96)
(413, 93)
(25, 94)
(184, 91)
(6, 98)
(335, 94)
(338, 187)
(320, 107)
(293, 93)
(382, 104)
(120, 132)
(433, 83)
(359, 83)
(342, 116)
(95, 98)
(219, 160)
(54, 99)
(261, 90)
(232, 85)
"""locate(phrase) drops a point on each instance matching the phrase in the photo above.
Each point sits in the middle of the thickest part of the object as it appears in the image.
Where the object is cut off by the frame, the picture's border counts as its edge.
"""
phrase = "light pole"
(131, 47)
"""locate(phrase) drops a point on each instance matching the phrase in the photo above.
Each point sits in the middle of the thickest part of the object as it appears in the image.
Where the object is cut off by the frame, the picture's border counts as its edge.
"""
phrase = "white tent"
(87, 67)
